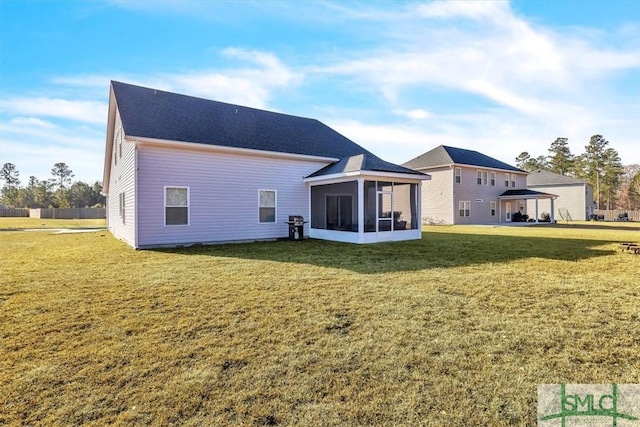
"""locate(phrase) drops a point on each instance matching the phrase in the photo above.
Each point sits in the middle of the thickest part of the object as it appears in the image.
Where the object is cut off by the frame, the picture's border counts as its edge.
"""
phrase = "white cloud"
(83, 111)
(477, 9)
(415, 114)
(248, 86)
(31, 122)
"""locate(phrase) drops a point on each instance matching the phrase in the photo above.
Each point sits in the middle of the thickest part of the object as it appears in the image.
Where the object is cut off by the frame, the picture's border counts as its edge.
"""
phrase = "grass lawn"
(455, 330)
(34, 223)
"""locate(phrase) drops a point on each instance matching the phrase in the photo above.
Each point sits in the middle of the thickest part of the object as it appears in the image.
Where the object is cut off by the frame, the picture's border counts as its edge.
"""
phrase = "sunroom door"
(385, 211)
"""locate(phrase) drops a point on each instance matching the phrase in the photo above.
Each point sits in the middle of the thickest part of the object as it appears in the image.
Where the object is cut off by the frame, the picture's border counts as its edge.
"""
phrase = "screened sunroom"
(361, 206)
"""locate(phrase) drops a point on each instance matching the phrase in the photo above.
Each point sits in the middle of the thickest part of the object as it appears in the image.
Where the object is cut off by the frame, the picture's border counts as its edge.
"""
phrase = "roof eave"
(367, 173)
(108, 151)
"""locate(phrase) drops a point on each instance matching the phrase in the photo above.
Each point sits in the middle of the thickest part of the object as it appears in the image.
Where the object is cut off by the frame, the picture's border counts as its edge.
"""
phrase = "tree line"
(57, 192)
(615, 186)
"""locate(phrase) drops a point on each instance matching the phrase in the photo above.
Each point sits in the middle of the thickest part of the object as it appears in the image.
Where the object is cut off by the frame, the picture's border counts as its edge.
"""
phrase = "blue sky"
(398, 78)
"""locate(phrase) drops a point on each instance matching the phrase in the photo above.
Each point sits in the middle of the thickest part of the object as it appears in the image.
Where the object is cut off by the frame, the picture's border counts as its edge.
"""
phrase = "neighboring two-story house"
(468, 187)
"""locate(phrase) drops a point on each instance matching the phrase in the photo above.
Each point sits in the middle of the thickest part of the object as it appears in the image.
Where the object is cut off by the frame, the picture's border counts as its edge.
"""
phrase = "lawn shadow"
(435, 250)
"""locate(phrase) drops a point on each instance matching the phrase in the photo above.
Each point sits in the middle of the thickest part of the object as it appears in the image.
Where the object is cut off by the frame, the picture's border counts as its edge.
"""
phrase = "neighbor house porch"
(515, 201)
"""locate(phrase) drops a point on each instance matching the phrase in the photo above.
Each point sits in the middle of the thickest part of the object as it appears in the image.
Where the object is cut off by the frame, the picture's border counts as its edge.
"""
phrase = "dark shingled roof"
(444, 155)
(542, 177)
(157, 114)
(363, 162)
(525, 192)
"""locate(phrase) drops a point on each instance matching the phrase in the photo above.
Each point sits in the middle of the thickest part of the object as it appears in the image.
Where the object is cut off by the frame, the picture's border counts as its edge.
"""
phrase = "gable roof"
(542, 177)
(444, 155)
(363, 162)
(169, 116)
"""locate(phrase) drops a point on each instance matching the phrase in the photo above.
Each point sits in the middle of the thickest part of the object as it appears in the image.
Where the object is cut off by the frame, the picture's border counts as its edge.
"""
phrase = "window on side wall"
(122, 207)
(464, 208)
(176, 206)
(479, 177)
(486, 178)
(267, 206)
(513, 180)
(493, 179)
(506, 179)
(458, 174)
(493, 208)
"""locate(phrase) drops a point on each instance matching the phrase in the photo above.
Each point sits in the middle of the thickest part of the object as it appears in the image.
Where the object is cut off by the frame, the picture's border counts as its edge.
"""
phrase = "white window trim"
(464, 206)
(275, 216)
(493, 208)
(479, 177)
(164, 209)
(506, 180)
(492, 179)
(513, 180)
(457, 175)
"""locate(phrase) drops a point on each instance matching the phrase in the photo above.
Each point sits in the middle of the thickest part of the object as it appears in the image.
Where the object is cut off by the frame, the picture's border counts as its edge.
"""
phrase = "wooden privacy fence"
(613, 214)
(69, 213)
(19, 212)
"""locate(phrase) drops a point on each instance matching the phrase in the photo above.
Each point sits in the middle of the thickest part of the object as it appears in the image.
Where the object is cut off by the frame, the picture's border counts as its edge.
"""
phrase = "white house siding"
(576, 198)
(122, 180)
(436, 195)
(223, 190)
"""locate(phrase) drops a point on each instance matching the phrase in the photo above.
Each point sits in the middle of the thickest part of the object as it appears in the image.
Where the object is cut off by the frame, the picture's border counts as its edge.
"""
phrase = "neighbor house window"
(176, 205)
(465, 208)
(479, 177)
(493, 208)
(458, 174)
(267, 206)
(493, 179)
(506, 179)
(513, 180)
(122, 207)
(486, 178)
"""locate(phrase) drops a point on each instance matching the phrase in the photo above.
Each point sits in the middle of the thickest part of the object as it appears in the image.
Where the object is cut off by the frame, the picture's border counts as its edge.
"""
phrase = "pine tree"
(561, 160)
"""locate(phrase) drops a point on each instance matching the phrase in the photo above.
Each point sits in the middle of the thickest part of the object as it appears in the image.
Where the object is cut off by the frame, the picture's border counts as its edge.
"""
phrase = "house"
(575, 197)
(468, 187)
(181, 170)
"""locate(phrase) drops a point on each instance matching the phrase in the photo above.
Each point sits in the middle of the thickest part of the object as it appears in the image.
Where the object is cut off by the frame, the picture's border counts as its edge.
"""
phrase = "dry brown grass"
(456, 329)
(35, 223)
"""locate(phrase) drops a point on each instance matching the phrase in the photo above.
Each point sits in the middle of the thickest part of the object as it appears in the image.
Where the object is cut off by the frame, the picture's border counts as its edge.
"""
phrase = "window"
(493, 179)
(513, 180)
(479, 177)
(464, 208)
(176, 205)
(458, 174)
(486, 178)
(122, 207)
(493, 208)
(267, 206)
